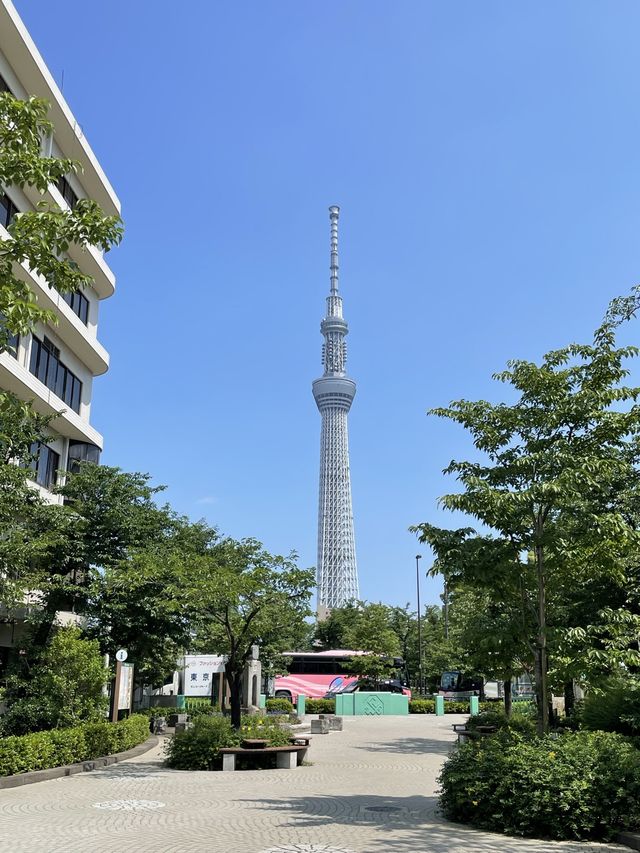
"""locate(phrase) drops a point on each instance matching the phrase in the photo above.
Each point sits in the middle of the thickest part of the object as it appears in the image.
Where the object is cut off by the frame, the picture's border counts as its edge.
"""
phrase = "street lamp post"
(420, 685)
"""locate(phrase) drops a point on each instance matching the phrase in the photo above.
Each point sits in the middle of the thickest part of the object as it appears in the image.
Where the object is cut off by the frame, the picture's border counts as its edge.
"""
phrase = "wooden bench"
(287, 757)
(465, 734)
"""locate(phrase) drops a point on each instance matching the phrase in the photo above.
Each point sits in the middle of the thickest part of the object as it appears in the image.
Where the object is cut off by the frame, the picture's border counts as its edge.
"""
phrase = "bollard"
(300, 705)
(474, 705)
(262, 700)
(439, 706)
(181, 703)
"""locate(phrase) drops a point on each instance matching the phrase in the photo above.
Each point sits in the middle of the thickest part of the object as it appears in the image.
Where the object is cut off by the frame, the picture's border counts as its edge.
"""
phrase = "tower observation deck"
(337, 573)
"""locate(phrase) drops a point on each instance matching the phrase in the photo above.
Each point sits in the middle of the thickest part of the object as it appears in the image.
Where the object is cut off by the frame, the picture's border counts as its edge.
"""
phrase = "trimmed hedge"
(57, 747)
(320, 706)
(579, 785)
(428, 706)
(283, 706)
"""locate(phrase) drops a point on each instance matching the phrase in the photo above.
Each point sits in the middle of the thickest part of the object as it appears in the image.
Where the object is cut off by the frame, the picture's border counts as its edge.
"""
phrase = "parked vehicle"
(455, 684)
(314, 674)
(390, 686)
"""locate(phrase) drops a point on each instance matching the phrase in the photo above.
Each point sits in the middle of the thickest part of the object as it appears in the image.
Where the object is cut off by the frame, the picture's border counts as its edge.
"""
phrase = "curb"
(631, 839)
(71, 769)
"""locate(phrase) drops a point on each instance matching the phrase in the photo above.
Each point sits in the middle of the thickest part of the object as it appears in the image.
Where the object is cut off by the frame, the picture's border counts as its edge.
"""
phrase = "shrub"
(258, 726)
(422, 706)
(616, 708)
(521, 722)
(204, 709)
(281, 705)
(320, 706)
(574, 786)
(199, 748)
(40, 750)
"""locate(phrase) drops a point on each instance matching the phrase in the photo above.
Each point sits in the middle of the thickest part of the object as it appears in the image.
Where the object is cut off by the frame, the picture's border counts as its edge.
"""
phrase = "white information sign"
(125, 693)
(121, 655)
(199, 672)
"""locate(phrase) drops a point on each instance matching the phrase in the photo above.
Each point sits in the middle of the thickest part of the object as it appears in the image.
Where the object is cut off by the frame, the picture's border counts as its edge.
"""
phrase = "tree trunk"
(541, 647)
(507, 697)
(235, 693)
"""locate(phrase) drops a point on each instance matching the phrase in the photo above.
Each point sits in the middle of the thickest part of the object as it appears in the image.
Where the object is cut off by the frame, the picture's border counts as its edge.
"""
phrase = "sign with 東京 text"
(199, 672)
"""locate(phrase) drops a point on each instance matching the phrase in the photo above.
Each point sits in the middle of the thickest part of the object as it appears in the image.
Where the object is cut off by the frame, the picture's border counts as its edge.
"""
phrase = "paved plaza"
(370, 789)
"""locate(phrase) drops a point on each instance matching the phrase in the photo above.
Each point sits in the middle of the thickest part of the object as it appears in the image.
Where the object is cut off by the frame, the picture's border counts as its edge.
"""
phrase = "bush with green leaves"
(64, 688)
(283, 706)
(259, 726)
(199, 748)
(58, 747)
(522, 722)
(422, 706)
(613, 708)
(577, 785)
(320, 706)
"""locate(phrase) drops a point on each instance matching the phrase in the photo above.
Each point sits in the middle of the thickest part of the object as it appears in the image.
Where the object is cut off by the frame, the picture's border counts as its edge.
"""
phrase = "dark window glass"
(13, 344)
(7, 210)
(78, 303)
(80, 451)
(4, 86)
(67, 193)
(45, 464)
(46, 365)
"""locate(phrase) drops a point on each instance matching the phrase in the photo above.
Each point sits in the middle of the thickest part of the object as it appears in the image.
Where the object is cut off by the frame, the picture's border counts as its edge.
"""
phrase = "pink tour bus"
(315, 673)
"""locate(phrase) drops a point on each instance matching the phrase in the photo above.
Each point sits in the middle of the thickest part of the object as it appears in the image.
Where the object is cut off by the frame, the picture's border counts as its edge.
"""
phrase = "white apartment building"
(56, 365)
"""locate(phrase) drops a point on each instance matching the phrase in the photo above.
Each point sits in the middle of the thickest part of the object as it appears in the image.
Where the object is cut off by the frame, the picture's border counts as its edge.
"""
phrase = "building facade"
(337, 572)
(55, 365)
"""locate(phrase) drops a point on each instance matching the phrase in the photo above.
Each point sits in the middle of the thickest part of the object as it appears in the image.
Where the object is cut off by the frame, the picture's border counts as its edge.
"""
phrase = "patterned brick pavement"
(371, 789)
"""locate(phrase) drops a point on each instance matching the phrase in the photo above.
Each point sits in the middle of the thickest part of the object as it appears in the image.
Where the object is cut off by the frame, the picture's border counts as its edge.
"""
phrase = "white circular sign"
(121, 655)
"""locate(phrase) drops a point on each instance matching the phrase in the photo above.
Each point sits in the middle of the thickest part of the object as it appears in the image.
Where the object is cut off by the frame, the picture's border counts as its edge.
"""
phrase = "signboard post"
(122, 687)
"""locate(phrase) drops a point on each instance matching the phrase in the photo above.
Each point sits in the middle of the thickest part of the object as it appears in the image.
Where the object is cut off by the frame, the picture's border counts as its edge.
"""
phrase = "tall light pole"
(420, 685)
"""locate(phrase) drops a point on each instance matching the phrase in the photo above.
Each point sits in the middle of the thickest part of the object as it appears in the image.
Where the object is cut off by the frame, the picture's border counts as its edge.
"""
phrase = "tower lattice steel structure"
(337, 573)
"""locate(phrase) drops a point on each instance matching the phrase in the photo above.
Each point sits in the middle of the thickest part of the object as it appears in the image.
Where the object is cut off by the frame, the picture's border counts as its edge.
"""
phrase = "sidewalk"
(371, 789)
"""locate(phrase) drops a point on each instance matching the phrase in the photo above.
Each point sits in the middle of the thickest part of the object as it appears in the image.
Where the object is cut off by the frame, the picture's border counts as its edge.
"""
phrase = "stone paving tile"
(371, 789)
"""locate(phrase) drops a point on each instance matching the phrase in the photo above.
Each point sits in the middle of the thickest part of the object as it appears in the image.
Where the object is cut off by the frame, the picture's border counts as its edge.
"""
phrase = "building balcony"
(21, 53)
(17, 379)
(79, 338)
(90, 260)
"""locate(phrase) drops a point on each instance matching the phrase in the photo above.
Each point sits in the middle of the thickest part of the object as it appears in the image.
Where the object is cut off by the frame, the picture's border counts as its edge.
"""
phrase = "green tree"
(40, 238)
(63, 689)
(249, 597)
(371, 632)
(554, 458)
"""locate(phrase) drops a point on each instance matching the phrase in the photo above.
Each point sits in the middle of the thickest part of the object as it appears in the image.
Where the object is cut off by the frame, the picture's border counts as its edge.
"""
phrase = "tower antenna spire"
(334, 213)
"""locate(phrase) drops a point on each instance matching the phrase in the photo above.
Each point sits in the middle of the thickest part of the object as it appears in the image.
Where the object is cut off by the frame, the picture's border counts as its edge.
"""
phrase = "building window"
(67, 193)
(12, 345)
(7, 210)
(81, 451)
(79, 304)
(46, 365)
(45, 463)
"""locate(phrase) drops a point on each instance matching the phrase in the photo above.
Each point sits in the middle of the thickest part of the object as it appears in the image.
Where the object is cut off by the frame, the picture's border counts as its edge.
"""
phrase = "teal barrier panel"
(345, 706)
(181, 702)
(380, 704)
(262, 700)
(300, 705)
(439, 706)
(474, 704)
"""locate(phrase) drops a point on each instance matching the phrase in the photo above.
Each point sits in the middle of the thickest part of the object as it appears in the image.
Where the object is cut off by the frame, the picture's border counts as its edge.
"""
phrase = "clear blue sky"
(486, 159)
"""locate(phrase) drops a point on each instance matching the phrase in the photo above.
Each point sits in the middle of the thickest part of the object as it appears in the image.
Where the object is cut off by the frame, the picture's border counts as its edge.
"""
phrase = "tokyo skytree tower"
(337, 573)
